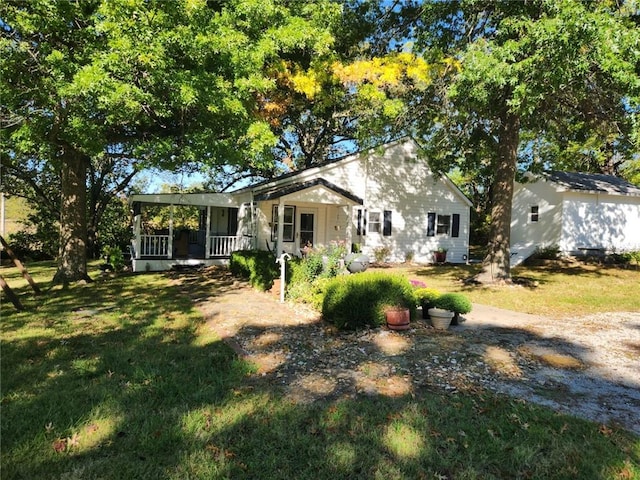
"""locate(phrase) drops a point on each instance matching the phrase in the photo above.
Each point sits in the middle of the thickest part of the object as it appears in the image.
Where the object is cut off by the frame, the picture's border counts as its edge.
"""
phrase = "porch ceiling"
(195, 199)
(318, 190)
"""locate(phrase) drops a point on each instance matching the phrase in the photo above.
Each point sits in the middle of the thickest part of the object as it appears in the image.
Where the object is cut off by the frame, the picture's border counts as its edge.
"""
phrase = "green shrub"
(426, 296)
(359, 300)
(548, 252)
(455, 302)
(114, 257)
(257, 266)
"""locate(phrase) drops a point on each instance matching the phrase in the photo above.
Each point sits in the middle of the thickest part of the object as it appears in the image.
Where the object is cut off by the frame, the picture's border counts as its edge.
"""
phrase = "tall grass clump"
(359, 300)
(307, 277)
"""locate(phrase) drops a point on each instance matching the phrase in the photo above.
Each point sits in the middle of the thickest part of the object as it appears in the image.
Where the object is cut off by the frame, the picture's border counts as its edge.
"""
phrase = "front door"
(307, 230)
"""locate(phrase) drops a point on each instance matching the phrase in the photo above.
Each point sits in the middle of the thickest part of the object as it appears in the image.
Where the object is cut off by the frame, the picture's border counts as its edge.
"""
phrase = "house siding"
(391, 179)
(600, 221)
(547, 230)
(573, 220)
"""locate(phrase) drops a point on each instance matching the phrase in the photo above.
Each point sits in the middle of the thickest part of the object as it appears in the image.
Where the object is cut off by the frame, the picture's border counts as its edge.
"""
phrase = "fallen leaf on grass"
(606, 431)
(60, 445)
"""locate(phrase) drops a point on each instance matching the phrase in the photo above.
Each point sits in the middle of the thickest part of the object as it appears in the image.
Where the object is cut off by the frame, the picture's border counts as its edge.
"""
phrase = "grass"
(122, 378)
(555, 291)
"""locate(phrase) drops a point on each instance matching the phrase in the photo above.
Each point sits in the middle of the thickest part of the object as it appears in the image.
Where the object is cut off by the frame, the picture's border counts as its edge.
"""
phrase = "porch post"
(137, 221)
(279, 243)
(349, 229)
(170, 247)
(208, 234)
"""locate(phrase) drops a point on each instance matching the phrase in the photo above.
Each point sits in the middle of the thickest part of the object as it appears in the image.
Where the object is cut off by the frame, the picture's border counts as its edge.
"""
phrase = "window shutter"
(359, 225)
(386, 229)
(431, 224)
(364, 221)
(455, 227)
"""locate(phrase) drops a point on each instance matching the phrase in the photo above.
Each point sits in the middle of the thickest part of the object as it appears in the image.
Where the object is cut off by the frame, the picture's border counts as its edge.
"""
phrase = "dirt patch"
(585, 366)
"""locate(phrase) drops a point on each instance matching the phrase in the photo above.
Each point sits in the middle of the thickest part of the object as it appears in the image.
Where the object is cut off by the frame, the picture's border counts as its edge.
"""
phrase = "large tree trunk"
(496, 266)
(72, 258)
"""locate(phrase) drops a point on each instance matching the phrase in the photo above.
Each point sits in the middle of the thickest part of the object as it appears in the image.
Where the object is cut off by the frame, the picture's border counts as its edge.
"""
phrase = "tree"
(39, 184)
(166, 83)
(527, 67)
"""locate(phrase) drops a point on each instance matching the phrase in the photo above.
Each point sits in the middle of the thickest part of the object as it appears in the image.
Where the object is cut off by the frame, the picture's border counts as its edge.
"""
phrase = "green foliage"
(548, 252)
(306, 277)
(257, 266)
(455, 302)
(425, 297)
(359, 300)
(625, 258)
(114, 257)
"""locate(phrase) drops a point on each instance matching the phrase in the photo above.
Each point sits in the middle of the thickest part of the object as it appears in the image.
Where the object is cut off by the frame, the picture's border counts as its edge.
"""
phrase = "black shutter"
(364, 223)
(359, 226)
(386, 229)
(455, 226)
(232, 222)
(431, 224)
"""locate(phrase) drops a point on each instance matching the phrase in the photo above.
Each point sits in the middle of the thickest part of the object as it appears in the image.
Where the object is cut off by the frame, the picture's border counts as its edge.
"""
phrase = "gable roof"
(289, 178)
(593, 182)
(296, 187)
(318, 166)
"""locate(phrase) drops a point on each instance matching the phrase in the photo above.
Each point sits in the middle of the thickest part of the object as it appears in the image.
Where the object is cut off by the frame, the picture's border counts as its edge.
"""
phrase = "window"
(534, 213)
(287, 226)
(375, 224)
(443, 225)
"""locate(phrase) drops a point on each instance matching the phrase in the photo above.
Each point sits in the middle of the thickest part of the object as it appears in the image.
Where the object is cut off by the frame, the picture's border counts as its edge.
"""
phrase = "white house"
(384, 197)
(578, 212)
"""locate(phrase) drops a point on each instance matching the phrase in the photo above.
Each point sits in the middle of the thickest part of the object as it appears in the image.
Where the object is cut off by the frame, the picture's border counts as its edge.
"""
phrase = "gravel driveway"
(587, 367)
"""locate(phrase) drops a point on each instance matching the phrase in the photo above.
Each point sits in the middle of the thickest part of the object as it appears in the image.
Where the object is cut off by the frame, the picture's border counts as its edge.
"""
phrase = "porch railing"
(222, 246)
(154, 245)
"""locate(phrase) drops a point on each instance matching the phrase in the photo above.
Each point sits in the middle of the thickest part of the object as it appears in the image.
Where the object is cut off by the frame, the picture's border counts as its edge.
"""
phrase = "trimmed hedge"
(359, 300)
(257, 266)
(455, 302)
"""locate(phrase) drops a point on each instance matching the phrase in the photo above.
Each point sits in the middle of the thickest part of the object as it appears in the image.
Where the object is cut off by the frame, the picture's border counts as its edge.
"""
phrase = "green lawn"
(556, 291)
(121, 379)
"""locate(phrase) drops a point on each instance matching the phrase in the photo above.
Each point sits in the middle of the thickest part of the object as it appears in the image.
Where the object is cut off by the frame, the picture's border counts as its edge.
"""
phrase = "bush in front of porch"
(359, 300)
(257, 266)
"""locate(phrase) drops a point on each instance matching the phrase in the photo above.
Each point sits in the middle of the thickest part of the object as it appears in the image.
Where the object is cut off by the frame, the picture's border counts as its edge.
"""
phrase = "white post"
(282, 260)
(170, 246)
(137, 220)
(207, 252)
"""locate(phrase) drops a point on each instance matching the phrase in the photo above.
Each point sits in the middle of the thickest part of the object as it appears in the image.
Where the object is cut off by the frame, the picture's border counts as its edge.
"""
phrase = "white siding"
(602, 221)
(547, 230)
(572, 220)
(393, 179)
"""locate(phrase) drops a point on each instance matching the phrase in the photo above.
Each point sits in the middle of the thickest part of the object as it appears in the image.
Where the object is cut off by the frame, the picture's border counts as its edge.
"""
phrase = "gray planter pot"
(440, 319)
(356, 262)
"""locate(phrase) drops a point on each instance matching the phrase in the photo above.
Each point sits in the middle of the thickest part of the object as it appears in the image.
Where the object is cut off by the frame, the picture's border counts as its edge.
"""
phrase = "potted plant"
(440, 255)
(398, 317)
(457, 303)
(425, 298)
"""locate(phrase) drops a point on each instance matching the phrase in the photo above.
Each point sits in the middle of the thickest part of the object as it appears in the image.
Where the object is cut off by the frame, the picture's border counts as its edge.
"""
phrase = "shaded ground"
(588, 367)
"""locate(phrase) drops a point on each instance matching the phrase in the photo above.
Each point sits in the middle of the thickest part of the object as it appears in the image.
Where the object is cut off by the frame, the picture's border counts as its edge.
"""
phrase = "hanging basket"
(440, 319)
(398, 318)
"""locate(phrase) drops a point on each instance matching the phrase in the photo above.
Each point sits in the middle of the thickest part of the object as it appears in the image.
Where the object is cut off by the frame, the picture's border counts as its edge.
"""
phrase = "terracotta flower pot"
(398, 318)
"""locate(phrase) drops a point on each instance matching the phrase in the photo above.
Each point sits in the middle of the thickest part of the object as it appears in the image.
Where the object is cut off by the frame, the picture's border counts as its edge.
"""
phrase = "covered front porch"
(180, 230)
